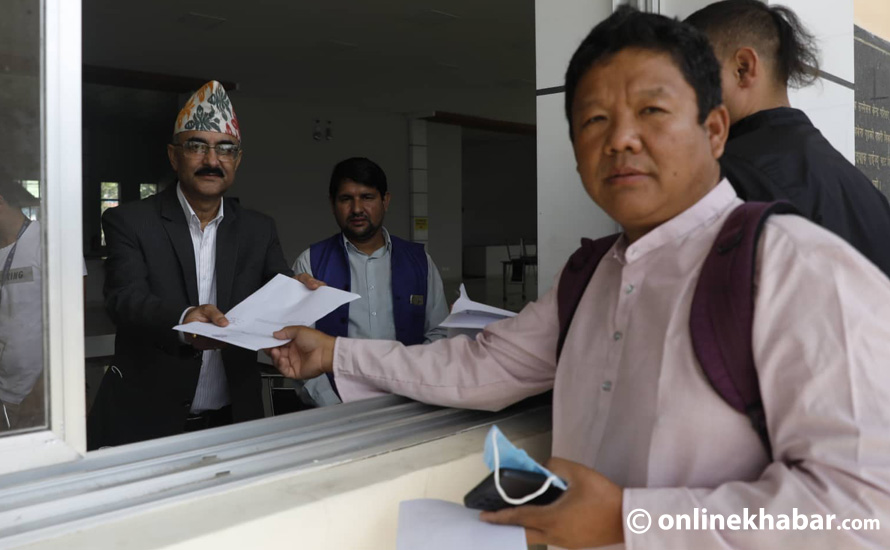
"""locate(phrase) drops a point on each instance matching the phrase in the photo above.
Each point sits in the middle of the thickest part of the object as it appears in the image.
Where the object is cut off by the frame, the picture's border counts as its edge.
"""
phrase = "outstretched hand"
(207, 313)
(309, 281)
(588, 514)
(309, 353)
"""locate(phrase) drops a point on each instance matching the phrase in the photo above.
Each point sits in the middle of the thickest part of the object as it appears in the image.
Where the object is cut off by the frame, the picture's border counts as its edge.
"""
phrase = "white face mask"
(500, 453)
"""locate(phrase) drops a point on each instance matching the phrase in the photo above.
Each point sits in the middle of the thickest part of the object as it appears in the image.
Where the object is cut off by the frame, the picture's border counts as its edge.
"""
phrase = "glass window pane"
(147, 189)
(22, 383)
(32, 186)
(110, 190)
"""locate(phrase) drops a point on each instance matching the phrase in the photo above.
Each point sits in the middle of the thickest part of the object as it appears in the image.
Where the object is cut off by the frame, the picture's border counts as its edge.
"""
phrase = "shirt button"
(628, 289)
(371, 287)
(617, 336)
(607, 385)
(374, 313)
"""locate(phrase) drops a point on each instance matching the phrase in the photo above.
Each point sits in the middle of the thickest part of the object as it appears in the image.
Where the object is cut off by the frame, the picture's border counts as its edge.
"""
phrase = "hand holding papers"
(472, 315)
(279, 303)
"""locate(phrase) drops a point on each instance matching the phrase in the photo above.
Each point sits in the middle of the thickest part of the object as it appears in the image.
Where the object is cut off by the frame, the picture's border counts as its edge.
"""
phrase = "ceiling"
(471, 56)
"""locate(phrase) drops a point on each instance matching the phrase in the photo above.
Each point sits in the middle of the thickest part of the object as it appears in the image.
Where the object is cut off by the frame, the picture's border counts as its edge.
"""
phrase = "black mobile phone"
(516, 484)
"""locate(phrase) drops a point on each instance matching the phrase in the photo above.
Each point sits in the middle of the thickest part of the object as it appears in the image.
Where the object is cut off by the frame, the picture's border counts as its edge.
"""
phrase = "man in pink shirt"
(636, 424)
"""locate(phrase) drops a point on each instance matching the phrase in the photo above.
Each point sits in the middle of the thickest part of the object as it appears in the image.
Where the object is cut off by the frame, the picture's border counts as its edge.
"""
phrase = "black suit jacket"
(150, 280)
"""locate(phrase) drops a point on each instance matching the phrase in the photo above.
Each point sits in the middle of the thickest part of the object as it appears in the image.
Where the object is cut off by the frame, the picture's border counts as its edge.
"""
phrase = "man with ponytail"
(774, 151)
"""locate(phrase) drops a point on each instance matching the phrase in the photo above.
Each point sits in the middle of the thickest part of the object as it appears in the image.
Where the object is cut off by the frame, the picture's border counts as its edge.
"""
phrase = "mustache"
(210, 171)
(358, 217)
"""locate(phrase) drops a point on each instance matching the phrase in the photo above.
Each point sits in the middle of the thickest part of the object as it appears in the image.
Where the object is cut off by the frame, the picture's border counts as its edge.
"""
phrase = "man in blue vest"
(402, 294)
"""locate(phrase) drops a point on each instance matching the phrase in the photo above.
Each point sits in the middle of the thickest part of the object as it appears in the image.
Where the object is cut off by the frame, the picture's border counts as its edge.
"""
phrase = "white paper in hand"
(469, 314)
(281, 302)
(429, 524)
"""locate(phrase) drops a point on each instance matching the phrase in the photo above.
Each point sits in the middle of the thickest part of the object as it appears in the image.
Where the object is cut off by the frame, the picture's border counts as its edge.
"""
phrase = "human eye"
(652, 109)
(594, 120)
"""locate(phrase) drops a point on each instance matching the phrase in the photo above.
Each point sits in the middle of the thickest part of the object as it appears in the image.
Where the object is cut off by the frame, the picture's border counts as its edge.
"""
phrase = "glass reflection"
(22, 384)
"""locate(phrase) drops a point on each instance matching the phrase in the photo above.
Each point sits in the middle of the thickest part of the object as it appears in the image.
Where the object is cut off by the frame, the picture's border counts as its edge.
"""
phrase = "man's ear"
(747, 67)
(717, 127)
(386, 198)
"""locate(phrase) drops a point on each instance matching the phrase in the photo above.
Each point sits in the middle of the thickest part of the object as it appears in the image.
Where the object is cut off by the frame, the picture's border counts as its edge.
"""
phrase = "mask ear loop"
(497, 479)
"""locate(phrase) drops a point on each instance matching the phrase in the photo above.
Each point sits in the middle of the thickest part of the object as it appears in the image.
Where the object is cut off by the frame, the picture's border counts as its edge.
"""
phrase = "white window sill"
(317, 469)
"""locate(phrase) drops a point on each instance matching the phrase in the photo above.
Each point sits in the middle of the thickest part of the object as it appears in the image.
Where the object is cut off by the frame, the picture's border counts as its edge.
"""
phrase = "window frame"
(49, 484)
(65, 438)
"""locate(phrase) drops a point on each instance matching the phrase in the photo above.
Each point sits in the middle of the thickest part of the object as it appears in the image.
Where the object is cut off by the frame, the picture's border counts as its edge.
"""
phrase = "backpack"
(722, 313)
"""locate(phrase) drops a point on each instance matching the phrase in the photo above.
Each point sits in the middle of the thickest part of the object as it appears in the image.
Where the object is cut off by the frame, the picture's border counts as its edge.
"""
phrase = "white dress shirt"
(213, 390)
(631, 400)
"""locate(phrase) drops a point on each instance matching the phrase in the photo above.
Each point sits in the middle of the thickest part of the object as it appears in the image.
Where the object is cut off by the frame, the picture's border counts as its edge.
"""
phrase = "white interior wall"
(444, 168)
(565, 212)
(681, 8)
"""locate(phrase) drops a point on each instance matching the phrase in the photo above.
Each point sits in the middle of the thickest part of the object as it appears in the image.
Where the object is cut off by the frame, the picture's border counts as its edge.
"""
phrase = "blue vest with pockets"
(410, 269)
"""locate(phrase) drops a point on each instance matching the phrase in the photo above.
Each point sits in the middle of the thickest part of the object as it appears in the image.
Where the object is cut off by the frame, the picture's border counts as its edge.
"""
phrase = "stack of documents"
(281, 302)
(467, 314)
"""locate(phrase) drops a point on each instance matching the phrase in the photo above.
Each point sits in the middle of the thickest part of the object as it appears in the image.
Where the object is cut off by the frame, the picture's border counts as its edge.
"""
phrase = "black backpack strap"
(573, 281)
(722, 315)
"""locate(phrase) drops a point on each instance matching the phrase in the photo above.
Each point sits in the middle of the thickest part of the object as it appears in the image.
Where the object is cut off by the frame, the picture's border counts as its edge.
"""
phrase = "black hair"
(630, 28)
(774, 31)
(360, 170)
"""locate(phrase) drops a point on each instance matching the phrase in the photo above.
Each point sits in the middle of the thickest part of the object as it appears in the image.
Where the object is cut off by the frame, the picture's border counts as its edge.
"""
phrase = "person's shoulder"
(799, 255)
(332, 240)
(793, 236)
(398, 241)
(248, 214)
(146, 207)
(303, 263)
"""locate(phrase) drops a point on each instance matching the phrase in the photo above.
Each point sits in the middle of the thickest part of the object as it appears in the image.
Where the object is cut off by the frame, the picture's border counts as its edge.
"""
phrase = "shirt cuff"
(181, 319)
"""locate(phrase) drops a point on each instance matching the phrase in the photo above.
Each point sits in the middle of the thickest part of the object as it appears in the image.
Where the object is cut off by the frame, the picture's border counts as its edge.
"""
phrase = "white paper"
(429, 524)
(469, 314)
(281, 302)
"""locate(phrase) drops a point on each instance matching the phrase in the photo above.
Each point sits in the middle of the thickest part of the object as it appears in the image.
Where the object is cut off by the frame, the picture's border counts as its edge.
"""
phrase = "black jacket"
(779, 154)
(150, 279)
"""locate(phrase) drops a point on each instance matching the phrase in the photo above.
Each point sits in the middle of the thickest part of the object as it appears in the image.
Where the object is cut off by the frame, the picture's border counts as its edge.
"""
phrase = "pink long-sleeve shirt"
(631, 400)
